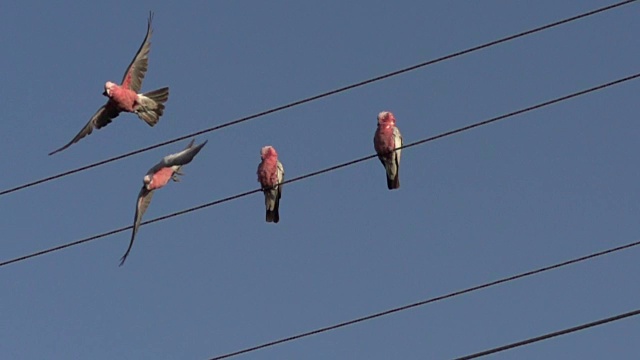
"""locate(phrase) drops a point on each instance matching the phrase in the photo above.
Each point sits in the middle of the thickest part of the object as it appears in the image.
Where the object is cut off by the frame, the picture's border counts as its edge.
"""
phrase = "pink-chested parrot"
(158, 176)
(148, 106)
(270, 175)
(387, 139)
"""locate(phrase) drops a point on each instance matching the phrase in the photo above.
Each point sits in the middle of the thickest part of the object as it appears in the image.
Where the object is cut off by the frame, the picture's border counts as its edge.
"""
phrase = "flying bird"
(158, 176)
(270, 175)
(148, 106)
(387, 139)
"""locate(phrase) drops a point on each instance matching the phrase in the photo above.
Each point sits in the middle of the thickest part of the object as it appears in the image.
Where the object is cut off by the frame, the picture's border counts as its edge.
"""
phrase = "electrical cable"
(329, 169)
(551, 335)
(317, 97)
(431, 300)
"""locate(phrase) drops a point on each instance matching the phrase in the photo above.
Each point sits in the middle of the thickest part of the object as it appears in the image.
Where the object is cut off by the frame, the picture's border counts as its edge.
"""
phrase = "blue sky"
(540, 188)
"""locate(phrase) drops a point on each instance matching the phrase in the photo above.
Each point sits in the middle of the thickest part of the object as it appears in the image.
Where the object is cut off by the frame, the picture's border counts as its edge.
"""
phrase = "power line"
(330, 169)
(429, 301)
(551, 335)
(320, 96)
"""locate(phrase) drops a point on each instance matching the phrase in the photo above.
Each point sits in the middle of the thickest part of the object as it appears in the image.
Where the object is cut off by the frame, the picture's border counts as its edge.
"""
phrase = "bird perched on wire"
(125, 97)
(158, 176)
(386, 140)
(270, 175)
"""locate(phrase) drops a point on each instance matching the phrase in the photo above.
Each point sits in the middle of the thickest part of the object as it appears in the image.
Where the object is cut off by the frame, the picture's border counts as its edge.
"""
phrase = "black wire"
(332, 168)
(429, 301)
(112, 232)
(316, 97)
(551, 335)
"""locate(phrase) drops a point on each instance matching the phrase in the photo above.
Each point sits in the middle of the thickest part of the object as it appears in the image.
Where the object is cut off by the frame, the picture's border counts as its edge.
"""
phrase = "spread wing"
(100, 119)
(183, 157)
(144, 199)
(134, 75)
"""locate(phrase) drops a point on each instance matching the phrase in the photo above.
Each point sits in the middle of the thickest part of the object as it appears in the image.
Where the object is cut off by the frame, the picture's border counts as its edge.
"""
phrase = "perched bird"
(148, 106)
(158, 176)
(270, 175)
(386, 139)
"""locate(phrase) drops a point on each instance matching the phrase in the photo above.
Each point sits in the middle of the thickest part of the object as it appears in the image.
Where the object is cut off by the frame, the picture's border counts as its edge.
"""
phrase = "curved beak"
(105, 93)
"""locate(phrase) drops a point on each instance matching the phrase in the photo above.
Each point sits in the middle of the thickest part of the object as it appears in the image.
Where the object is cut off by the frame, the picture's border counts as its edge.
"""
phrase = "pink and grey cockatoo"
(158, 176)
(270, 175)
(385, 141)
(148, 106)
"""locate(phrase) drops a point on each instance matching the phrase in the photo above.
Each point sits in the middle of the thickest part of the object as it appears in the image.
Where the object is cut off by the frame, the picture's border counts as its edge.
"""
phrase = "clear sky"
(533, 190)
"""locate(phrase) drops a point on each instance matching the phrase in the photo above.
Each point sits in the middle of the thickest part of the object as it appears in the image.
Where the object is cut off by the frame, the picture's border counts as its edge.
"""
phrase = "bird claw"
(175, 177)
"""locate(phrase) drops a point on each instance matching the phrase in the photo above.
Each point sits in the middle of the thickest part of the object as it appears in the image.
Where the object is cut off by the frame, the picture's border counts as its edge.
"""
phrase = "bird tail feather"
(273, 215)
(393, 183)
(151, 105)
(270, 216)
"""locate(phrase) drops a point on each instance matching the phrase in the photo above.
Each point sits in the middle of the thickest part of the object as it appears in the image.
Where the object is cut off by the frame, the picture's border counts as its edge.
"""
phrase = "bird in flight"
(158, 176)
(386, 140)
(125, 97)
(270, 175)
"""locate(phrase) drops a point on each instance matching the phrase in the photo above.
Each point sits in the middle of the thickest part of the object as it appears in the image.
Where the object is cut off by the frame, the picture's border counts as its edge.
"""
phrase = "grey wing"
(280, 178)
(190, 145)
(136, 71)
(398, 142)
(183, 157)
(144, 199)
(100, 119)
(375, 146)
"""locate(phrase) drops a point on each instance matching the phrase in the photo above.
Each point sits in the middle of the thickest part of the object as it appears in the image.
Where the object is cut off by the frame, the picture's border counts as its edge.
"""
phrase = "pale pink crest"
(386, 117)
(268, 152)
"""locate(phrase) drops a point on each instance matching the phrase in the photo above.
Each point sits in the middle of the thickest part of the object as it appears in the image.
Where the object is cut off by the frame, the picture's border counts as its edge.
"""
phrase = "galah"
(148, 106)
(270, 175)
(158, 176)
(387, 139)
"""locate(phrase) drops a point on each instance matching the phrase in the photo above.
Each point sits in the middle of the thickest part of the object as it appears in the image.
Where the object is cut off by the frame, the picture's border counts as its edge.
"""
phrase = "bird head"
(267, 152)
(108, 86)
(386, 118)
(147, 181)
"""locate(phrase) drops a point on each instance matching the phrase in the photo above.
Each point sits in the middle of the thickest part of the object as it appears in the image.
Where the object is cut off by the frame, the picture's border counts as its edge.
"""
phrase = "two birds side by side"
(149, 107)
(387, 142)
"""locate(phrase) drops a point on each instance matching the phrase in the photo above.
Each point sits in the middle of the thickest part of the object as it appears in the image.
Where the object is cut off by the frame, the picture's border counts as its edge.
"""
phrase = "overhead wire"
(332, 168)
(551, 335)
(429, 301)
(320, 96)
